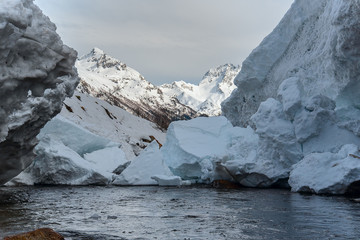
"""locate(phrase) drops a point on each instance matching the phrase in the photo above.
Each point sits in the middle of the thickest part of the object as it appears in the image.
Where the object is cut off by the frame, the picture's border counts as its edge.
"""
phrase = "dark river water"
(177, 213)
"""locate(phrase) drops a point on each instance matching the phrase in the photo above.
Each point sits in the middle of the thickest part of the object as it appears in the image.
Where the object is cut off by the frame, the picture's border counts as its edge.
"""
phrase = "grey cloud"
(167, 40)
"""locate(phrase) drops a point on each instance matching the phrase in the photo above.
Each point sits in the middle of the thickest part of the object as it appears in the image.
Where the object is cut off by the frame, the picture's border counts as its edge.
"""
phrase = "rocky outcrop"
(40, 234)
(37, 73)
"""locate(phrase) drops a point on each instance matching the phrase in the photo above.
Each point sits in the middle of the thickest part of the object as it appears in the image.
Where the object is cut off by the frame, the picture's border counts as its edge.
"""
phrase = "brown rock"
(225, 184)
(40, 234)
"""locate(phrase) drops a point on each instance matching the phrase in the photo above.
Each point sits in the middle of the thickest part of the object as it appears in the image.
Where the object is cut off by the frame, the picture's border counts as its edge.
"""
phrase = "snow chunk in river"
(141, 170)
(68, 154)
(195, 148)
(335, 173)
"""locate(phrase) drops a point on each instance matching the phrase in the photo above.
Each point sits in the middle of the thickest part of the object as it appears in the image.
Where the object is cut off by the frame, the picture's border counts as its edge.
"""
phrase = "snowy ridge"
(109, 79)
(206, 98)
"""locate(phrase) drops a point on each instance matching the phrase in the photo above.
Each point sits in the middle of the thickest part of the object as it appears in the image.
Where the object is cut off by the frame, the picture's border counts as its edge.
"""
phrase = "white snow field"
(37, 74)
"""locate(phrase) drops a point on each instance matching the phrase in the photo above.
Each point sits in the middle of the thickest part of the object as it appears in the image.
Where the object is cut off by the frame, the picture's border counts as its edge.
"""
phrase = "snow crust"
(37, 73)
(206, 98)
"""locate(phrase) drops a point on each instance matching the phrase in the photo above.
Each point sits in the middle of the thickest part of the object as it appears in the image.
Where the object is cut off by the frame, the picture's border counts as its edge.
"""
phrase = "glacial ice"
(142, 169)
(68, 154)
(327, 172)
(37, 74)
(299, 91)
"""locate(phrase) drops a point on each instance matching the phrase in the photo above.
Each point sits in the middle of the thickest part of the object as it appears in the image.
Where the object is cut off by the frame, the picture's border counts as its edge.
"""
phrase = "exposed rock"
(105, 77)
(40, 234)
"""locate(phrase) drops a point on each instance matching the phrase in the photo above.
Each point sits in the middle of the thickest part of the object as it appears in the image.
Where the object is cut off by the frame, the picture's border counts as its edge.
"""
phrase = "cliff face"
(317, 46)
(36, 74)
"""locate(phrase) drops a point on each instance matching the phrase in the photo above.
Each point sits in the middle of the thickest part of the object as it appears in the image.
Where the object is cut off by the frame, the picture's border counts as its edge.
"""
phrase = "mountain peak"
(97, 51)
(97, 58)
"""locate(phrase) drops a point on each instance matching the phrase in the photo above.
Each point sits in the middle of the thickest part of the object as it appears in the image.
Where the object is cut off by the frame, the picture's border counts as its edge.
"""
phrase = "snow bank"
(299, 90)
(194, 148)
(141, 170)
(68, 154)
(316, 43)
(36, 75)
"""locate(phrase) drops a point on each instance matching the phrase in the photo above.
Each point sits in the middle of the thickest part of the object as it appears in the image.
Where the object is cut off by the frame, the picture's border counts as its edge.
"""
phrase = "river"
(194, 212)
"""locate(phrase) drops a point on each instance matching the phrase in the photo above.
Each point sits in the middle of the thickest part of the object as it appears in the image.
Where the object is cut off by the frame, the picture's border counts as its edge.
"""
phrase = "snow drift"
(37, 74)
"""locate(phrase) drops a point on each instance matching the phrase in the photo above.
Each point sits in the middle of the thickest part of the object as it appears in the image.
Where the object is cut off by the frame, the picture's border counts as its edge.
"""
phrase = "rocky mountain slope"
(105, 77)
(206, 98)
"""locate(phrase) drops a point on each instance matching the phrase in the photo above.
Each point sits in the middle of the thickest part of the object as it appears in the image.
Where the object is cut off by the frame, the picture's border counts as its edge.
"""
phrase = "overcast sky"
(167, 40)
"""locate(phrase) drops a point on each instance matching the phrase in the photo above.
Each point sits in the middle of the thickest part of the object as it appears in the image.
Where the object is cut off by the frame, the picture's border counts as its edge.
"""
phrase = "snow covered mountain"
(206, 98)
(105, 77)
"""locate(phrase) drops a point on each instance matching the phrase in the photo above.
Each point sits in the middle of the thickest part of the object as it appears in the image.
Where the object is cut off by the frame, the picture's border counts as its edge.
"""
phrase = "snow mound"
(141, 170)
(324, 173)
(216, 85)
(37, 74)
(70, 155)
